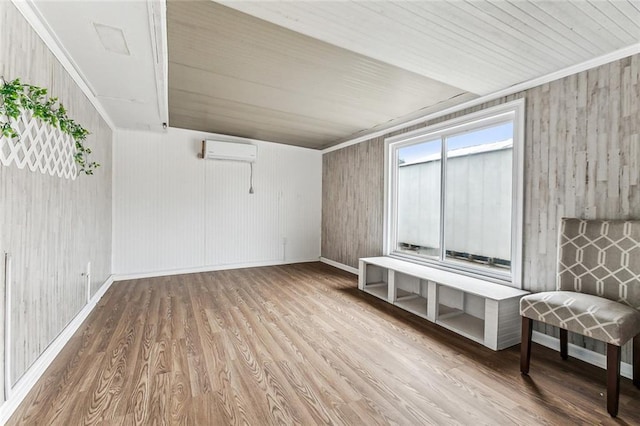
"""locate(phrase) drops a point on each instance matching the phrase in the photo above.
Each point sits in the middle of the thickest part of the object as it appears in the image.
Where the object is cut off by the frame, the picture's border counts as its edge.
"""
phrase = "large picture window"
(455, 194)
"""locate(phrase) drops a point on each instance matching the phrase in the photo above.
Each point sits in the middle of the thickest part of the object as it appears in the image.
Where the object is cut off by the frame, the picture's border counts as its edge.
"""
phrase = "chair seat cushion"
(585, 314)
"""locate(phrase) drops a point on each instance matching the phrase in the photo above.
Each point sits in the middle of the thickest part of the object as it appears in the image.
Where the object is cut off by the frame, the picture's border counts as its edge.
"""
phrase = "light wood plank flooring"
(296, 344)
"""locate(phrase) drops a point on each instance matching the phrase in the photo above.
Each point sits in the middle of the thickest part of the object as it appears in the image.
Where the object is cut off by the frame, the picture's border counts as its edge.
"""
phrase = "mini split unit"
(218, 150)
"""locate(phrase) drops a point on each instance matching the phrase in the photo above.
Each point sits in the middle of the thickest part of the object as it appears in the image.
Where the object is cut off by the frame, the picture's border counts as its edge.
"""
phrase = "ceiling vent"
(218, 150)
(112, 39)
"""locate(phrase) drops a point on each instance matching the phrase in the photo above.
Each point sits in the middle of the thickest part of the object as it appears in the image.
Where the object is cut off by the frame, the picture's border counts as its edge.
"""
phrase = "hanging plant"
(16, 97)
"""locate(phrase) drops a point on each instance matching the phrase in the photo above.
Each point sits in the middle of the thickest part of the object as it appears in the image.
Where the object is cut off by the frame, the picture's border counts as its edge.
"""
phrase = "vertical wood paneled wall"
(582, 155)
(51, 226)
(352, 202)
(174, 211)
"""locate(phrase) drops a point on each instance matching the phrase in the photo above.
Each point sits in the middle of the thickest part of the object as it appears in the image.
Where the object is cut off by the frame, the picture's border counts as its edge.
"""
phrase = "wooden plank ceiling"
(314, 73)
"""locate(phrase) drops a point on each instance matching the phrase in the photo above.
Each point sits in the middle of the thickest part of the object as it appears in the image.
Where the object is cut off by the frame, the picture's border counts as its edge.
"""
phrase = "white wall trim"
(574, 69)
(212, 268)
(8, 309)
(29, 379)
(33, 16)
(157, 14)
(339, 265)
(586, 355)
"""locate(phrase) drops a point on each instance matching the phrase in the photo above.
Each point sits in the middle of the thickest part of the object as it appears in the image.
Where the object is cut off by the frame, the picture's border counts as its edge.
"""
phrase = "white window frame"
(485, 117)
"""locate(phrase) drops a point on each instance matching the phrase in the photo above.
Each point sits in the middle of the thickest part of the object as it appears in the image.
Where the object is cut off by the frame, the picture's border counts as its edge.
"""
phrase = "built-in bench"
(480, 310)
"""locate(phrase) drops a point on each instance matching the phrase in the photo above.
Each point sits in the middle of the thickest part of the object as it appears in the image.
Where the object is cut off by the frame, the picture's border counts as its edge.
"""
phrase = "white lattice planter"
(41, 147)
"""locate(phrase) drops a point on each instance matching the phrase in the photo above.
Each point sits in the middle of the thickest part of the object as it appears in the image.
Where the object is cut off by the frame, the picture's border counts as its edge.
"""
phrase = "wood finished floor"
(296, 344)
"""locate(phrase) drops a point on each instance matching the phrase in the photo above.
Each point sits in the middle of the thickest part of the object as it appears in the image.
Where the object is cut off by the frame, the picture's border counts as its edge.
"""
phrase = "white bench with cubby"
(481, 310)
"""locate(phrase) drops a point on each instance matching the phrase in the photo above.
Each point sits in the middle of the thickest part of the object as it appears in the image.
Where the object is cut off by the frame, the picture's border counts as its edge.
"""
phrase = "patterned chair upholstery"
(597, 294)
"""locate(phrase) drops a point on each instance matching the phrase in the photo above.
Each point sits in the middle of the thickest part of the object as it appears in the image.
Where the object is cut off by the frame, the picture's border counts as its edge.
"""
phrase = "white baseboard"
(20, 390)
(586, 355)
(339, 265)
(211, 268)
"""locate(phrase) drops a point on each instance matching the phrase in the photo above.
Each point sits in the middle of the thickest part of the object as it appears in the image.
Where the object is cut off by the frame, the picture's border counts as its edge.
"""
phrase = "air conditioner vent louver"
(218, 150)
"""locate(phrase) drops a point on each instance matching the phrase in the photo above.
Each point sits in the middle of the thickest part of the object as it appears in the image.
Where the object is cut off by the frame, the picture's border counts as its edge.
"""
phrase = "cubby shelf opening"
(480, 310)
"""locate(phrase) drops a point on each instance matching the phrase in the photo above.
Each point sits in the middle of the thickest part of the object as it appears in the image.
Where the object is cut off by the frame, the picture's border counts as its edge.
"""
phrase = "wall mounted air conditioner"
(218, 150)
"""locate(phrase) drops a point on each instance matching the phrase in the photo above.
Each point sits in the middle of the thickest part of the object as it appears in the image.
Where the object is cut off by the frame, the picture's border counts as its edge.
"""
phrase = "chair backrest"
(600, 257)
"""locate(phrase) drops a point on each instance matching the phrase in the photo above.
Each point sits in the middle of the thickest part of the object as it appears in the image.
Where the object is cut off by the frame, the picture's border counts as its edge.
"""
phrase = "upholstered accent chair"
(597, 294)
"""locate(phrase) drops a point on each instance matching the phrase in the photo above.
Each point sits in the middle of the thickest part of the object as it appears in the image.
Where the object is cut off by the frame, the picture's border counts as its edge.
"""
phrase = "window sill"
(486, 275)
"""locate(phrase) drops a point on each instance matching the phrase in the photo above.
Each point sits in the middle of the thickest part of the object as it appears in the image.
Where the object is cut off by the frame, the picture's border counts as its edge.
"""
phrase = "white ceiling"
(129, 87)
(469, 48)
(479, 46)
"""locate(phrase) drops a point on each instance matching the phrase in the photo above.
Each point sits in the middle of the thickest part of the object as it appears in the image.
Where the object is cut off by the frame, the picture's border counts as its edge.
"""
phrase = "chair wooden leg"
(636, 361)
(564, 339)
(613, 378)
(525, 345)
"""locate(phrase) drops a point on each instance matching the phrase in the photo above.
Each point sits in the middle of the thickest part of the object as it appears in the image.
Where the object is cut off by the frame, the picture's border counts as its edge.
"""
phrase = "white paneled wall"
(176, 212)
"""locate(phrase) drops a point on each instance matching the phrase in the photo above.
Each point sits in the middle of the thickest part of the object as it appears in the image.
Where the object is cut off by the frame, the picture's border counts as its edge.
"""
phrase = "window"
(454, 193)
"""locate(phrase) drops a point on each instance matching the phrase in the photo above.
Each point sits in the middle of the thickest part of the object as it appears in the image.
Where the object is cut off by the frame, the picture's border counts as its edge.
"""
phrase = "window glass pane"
(478, 196)
(418, 210)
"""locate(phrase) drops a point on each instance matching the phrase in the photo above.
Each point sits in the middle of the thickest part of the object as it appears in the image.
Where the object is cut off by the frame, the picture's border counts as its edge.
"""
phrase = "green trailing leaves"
(16, 97)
